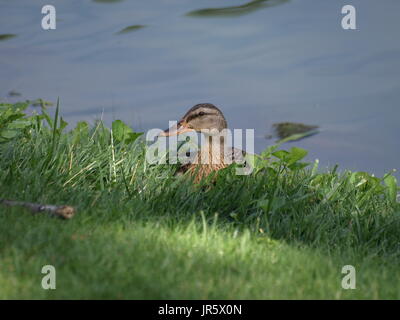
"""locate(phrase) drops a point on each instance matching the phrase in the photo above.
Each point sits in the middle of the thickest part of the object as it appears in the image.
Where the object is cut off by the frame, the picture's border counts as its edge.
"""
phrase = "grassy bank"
(285, 231)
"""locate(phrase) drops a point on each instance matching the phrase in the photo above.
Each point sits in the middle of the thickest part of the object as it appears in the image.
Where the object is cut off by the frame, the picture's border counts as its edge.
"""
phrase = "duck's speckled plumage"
(206, 116)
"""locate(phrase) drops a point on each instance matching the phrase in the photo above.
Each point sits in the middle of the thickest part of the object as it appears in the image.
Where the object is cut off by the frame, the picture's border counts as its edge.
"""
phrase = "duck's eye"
(201, 113)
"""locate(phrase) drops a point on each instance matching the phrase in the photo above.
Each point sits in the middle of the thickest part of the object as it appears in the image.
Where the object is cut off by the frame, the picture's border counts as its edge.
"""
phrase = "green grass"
(283, 232)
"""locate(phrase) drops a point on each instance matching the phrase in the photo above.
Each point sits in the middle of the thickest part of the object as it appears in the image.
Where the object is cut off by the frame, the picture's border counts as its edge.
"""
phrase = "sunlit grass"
(285, 231)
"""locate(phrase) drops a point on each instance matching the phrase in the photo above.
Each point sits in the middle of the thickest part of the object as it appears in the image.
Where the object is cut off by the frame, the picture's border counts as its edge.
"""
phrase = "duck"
(213, 155)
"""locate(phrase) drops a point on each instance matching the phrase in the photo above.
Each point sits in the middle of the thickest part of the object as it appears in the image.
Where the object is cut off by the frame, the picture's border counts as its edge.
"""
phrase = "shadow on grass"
(136, 260)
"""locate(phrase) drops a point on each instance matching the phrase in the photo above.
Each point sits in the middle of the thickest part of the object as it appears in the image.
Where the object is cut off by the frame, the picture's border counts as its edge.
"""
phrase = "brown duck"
(213, 155)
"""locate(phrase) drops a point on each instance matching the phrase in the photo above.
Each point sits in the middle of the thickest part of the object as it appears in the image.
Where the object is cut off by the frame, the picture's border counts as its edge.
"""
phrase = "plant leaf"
(391, 183)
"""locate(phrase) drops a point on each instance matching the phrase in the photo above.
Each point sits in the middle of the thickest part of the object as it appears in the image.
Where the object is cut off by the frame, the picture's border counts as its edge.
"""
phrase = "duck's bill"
(175, 130)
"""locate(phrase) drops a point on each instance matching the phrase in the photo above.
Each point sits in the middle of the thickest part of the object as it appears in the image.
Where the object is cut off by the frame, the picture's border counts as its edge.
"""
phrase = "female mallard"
(213, 154)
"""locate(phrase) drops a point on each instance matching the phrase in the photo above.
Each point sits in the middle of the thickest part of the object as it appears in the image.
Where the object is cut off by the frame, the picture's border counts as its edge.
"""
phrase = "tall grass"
(284, 231)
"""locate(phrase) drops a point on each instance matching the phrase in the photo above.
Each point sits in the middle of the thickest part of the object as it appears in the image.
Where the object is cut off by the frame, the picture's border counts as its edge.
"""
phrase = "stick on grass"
(63, 212)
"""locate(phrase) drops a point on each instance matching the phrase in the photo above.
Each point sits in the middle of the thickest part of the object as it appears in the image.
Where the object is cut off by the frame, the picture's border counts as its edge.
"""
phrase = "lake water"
(261, 62)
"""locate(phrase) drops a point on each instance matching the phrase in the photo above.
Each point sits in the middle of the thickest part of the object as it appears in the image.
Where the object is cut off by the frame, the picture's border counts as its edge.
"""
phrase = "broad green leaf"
(123, 133)
(281, 154)
(298, 165)
(132, 136)
(120, 130)
(9, 134)
(82, 126)
(20, 124)
(268, 152)
(296, 154)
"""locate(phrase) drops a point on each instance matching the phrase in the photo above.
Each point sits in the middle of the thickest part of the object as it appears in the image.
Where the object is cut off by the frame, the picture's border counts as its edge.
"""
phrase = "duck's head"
(204, 117)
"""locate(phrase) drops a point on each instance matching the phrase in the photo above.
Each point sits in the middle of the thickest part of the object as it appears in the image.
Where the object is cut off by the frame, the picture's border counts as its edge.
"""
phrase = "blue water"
(270, 61)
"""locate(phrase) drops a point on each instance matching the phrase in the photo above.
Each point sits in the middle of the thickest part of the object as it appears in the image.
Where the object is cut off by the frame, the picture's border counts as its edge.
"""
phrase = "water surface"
(261, 62)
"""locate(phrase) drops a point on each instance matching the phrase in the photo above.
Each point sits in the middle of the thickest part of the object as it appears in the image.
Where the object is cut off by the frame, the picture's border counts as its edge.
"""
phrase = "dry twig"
(63, 212)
